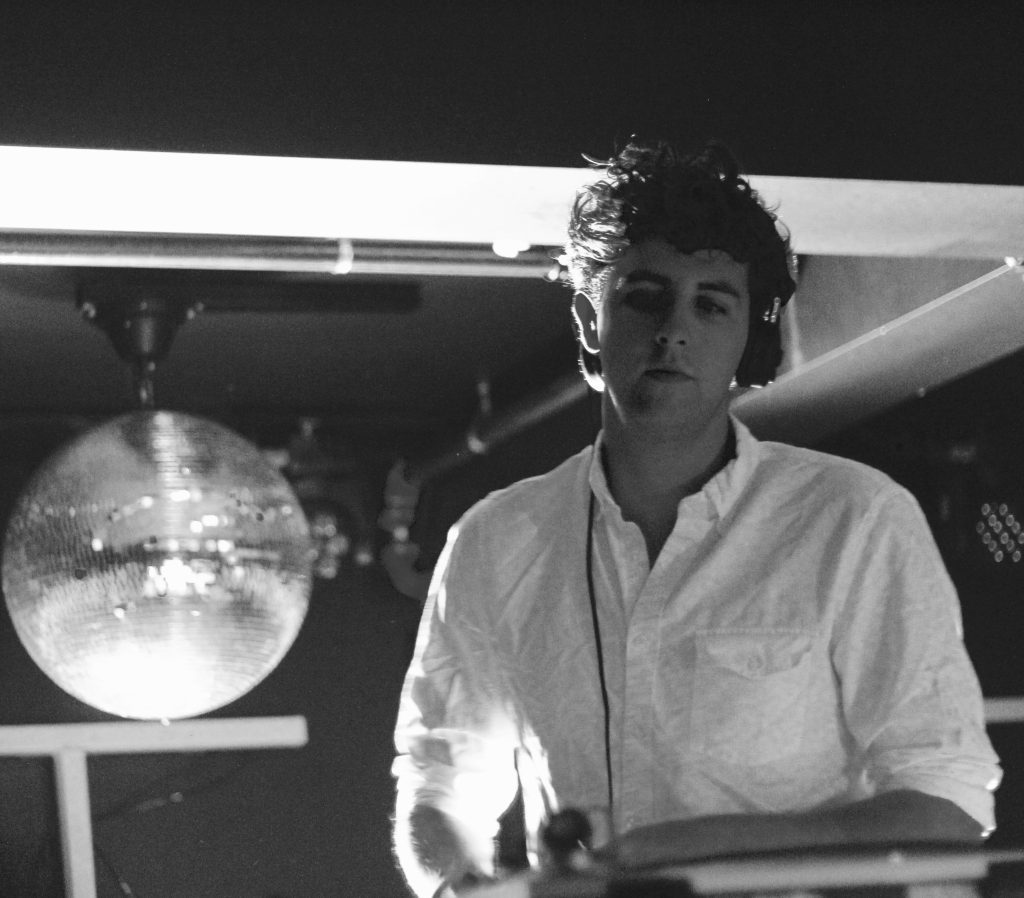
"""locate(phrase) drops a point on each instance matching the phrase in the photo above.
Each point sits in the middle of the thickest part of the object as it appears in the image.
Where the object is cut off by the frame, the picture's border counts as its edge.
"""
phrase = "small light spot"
(509, 249)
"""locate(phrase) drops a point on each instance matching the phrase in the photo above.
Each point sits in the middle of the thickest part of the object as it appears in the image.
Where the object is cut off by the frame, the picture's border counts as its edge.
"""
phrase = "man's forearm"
(902, 816)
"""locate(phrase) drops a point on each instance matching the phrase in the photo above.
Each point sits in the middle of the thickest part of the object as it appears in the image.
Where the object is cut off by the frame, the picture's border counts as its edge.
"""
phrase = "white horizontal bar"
(1004, 710)
(112, 190)
(51, 188)
(799, 874)
(146, 736)
(845, 217)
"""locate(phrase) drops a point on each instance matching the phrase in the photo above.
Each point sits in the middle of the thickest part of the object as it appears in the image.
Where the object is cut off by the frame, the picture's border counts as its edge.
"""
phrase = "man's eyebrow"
(642, 274)
(720, 287)
(654, 277)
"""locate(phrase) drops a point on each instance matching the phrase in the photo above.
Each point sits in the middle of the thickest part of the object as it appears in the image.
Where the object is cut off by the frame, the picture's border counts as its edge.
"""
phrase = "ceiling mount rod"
(492, 430)
(272, 254)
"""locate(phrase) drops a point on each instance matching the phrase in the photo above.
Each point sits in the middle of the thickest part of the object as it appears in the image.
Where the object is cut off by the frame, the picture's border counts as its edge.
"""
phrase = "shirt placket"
(638, 713)
(640, 763)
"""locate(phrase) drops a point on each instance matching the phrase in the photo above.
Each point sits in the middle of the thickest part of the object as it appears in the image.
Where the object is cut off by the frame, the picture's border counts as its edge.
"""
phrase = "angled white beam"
(57, 189)
(944, 339)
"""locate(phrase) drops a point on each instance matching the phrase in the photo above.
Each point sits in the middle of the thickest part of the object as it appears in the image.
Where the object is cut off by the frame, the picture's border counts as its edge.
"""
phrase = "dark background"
(910, 91)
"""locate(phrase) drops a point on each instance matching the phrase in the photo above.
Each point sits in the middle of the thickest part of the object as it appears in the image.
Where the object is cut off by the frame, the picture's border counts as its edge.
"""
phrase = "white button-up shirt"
(797, 643)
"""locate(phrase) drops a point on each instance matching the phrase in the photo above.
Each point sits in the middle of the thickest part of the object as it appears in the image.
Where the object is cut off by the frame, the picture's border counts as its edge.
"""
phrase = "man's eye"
(646, 300)
(711, 306)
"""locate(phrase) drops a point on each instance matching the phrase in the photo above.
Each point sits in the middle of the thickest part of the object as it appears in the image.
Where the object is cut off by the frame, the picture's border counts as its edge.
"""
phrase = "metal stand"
(70, 745)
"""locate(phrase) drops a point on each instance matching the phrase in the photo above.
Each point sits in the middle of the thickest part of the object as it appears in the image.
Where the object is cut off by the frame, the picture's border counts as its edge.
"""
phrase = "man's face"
(670, 330)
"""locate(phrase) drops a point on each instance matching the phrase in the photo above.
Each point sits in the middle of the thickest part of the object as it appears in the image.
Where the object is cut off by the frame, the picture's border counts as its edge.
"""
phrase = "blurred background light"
(1000, 531)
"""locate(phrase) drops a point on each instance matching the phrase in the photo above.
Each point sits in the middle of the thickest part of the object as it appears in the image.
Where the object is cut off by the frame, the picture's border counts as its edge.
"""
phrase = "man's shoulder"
(798, 466)
(535, 497)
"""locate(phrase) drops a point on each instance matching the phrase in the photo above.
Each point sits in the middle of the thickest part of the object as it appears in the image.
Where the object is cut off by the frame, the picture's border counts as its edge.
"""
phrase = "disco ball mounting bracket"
(142, 327)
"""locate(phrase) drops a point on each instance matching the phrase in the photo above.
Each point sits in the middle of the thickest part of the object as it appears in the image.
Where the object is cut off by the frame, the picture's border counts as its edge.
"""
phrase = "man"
(730, 645)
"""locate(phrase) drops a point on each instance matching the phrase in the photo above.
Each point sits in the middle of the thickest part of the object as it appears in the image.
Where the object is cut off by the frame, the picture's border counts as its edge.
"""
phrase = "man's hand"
(466, 884)
(439, 849)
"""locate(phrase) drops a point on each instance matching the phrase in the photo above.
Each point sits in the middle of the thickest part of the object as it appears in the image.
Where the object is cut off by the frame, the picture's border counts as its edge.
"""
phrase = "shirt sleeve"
(456, 734)
(911, 698)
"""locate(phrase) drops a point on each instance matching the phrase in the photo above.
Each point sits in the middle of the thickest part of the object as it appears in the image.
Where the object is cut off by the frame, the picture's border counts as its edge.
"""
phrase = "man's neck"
(649, 477)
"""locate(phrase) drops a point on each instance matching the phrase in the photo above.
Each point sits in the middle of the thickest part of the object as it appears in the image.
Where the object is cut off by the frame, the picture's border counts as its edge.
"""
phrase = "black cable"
(600, 651)
(142, 799)
(126, 889)
(46, 859)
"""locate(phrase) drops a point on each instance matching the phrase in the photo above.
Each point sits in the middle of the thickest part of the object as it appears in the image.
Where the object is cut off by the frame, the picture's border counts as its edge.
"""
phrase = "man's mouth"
(667, 374)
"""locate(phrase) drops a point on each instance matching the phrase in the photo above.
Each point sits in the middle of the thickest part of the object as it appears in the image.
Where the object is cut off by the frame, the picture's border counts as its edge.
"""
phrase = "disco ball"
(158, 566)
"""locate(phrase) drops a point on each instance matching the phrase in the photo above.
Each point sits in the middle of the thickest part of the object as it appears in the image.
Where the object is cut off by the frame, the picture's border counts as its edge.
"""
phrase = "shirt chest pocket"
(750, 694)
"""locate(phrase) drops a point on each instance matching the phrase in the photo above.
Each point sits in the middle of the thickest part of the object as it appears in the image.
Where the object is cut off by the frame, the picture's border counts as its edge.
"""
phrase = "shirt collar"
(719, 493)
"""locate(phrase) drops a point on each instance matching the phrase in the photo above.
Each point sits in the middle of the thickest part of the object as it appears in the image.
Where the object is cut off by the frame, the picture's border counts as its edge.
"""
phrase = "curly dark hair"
(694, 202)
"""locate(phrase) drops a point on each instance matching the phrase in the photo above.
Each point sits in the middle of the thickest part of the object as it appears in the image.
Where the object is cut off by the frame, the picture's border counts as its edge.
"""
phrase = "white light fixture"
(72, 190)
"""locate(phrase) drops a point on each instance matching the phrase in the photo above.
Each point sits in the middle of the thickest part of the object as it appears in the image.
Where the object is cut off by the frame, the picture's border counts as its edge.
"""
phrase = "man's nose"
(674, 325)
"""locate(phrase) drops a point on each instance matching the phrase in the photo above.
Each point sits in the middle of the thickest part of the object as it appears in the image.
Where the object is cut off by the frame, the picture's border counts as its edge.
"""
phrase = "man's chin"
(681, 413)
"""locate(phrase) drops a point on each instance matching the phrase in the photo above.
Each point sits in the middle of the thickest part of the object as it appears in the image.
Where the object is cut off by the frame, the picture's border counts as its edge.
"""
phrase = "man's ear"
(586, 322)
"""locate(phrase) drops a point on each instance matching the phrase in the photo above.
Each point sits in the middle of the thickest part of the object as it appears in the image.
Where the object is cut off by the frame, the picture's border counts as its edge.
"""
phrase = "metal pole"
(72, 778)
